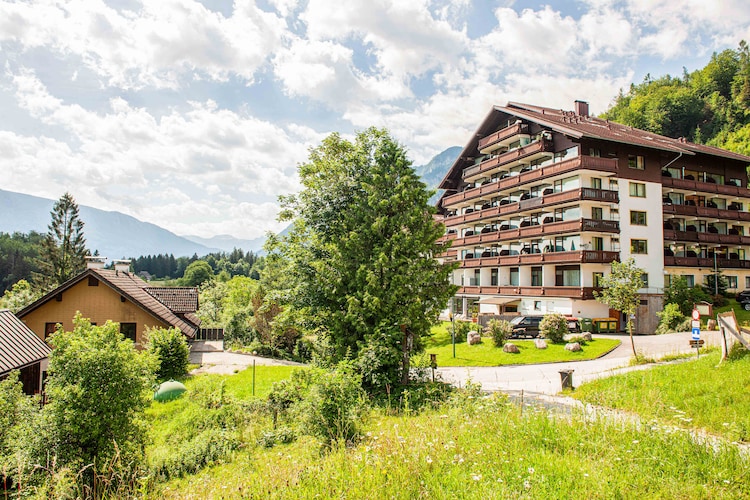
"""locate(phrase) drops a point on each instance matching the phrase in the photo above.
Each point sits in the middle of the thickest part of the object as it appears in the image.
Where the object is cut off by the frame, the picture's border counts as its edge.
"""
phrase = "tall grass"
(695, 393)
(482, 448)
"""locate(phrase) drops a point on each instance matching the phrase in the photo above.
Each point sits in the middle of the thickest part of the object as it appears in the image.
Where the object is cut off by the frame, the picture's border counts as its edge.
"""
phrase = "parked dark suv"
(528, 326)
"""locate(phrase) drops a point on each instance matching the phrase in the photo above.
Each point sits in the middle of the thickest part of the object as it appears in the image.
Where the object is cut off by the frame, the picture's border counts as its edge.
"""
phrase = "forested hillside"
(709, 105)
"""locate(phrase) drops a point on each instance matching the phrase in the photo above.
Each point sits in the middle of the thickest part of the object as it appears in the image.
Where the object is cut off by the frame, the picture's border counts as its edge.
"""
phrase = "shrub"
(209, 447)
(499, 330)
(554, 327)
(670, 319)
(578, 338)
(462, 329)
(171, 350)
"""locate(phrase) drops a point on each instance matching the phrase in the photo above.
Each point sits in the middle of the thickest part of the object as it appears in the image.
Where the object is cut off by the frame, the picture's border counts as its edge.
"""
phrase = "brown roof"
(178, 299)
(131, 287)
(19, 346)
(577, 126)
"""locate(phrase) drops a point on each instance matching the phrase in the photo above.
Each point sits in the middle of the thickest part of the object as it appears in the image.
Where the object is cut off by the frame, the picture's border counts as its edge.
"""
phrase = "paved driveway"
(545, 378)
(212, 359)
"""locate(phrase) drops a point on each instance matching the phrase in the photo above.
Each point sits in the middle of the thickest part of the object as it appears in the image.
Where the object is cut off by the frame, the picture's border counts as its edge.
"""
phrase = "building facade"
(541, 201)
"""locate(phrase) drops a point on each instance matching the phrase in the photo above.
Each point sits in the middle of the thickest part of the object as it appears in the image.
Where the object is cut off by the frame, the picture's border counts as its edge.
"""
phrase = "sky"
(194, 115)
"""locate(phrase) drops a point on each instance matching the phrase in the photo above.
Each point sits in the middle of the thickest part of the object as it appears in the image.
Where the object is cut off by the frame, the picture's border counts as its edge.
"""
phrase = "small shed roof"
(19, 346)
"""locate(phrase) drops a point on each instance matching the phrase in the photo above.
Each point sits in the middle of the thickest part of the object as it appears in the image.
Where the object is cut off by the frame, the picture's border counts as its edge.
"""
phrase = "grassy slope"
(486, 354)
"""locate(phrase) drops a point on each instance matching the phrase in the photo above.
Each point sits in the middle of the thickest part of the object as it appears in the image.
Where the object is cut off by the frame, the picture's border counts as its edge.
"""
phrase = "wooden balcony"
(573, 257)
(540, 146)
(564, 167)
(714, 213)
(571, 292)
(541, 230)
(708, 263)
(723, 239)
(705, 187)
(544, 201)
(486, 143)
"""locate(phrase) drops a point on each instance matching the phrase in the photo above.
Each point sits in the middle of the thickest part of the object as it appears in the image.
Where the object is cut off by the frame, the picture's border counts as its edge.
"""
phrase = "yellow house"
(117, 295)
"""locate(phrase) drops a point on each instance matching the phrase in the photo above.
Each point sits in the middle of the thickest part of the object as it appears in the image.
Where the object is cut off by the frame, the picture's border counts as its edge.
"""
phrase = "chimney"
(582, 108)
(95, 262)
(122, 265)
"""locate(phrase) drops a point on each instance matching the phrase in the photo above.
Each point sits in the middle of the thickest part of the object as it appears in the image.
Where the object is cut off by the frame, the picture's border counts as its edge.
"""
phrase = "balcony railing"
(501, 135)
(546, 229)
(572, 292)
(706, 187)
(573, 257)
(547, 200)
(577, 163)
(724, 239)
(714, 213)
(709, 263)
(540, 146)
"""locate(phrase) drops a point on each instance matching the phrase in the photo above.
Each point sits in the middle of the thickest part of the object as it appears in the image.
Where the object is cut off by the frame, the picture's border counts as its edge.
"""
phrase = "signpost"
(696, 341)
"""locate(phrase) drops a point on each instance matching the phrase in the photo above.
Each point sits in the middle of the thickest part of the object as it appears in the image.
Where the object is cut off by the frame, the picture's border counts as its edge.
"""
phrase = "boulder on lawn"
(511, 348)
(573, 347)
(711, 325)
(587, 337)
(473, 337)
(540, 343)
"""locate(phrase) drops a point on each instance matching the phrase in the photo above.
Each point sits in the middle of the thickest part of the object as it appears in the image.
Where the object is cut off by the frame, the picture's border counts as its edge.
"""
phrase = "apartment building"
(541, 201)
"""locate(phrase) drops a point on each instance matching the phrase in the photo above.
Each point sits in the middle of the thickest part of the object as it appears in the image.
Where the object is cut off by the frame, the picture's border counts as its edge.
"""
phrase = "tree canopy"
(361, 253)
(620, 291)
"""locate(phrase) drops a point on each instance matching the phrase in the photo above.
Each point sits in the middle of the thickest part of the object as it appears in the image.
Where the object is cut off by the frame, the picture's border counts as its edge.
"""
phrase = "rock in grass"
(473, 337)
(540, 343)
(511, 348)
(573, 347)
(587, 337)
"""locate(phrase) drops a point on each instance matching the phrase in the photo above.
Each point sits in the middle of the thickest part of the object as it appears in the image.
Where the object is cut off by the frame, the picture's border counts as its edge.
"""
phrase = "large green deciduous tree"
(99, 388)
(63, 252)
(361, 253)
(620, 291)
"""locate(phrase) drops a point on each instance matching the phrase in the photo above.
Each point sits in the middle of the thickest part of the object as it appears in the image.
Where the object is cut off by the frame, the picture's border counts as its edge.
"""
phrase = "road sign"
(696, 315)
(696, 343)
(696, 324)
(696, 333)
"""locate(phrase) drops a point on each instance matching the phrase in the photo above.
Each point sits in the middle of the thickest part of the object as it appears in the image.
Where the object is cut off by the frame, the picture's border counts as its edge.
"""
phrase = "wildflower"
(527, 484)
(585, 474)
(531, 470)
(635, 441)
(476, 477)
(428, 459)
(726, 481)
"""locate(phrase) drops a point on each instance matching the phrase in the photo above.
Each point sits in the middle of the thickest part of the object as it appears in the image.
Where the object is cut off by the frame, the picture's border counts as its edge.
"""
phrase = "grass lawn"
(696, 393)
(486, 354)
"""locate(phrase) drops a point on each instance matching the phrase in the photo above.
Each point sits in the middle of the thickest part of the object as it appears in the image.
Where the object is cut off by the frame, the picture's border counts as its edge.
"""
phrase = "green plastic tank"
(169, 390)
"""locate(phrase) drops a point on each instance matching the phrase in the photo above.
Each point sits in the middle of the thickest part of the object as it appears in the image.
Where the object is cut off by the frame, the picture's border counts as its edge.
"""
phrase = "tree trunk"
(407, 345)
(632, 342)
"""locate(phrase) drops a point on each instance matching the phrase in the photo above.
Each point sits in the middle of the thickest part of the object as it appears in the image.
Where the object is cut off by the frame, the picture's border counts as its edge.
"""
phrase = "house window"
(514, 276)
(597, 213)
(596, 183)
(598, 277)
(637, 218)
(595, 152)
(636, 161)
(597, 243)
(644, 279)
(614, 214)
(638, 246)
(50, 328)
(732, 281)
(747, 281)
(690, 280)
(637, 190)
(537, 305)
(568, 276)
(493, 277)
(536, 276)
(128, 330)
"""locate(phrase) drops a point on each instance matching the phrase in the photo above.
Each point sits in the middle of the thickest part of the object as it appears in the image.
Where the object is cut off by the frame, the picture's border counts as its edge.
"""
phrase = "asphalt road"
(546, 378)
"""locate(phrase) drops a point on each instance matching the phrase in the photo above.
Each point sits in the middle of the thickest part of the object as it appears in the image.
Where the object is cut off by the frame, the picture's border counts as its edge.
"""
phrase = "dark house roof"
(19, 346)
(136, 290)
(178, 299)
(577, 126)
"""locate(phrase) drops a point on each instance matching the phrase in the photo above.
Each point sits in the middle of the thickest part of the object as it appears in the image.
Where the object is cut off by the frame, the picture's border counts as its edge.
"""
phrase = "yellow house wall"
(97, 303)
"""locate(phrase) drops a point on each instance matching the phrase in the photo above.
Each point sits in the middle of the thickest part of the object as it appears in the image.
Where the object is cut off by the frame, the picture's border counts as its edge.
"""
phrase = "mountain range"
(116, 235)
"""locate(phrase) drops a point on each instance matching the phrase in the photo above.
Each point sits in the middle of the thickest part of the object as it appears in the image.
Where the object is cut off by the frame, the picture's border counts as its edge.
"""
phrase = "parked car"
(743, 296)
(525, 326)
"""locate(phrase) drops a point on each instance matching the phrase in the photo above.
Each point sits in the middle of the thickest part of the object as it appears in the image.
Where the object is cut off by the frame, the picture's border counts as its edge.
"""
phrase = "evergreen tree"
(63, 251)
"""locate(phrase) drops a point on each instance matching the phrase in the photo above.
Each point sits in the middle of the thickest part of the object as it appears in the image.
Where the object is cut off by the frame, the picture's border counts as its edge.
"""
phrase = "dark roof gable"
(19, 346)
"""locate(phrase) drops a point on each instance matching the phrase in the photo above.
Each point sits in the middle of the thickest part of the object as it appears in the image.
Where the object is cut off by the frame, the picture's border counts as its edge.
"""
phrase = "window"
(732, 281)
(493, 277)
(597, 243)
(636, 161)
(637, 189)
(596, 183)
(597, 213)
(637, 218)
(514, 276)
(595, 152)
(537, 305)
(49, 329)
(568, 276)
(536, 276)
(614, 214)
(128, 330)
(638, 246)
(644, 279)
(598, 279)
(690, 280)
(747, 281)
